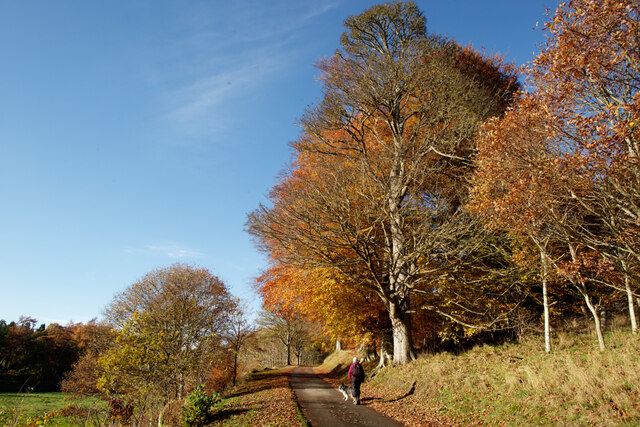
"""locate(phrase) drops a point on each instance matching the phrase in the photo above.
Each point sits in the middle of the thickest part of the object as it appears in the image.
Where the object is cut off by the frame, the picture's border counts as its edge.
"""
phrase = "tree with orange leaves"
(563, 164)
(322, 297)
(588, 80)
(378, 187)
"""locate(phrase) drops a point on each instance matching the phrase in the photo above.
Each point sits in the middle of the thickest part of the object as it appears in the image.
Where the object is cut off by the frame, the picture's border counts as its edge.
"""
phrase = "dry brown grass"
(518, 384)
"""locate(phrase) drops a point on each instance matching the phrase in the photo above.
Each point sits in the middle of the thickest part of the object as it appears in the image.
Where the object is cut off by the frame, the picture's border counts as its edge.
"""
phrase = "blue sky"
(138, 134)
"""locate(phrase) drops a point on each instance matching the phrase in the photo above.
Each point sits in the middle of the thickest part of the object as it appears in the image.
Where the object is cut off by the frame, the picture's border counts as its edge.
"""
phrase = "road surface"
(323, 405)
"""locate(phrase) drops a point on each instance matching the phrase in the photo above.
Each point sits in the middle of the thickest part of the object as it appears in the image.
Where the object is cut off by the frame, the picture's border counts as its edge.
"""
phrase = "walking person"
(356, 375)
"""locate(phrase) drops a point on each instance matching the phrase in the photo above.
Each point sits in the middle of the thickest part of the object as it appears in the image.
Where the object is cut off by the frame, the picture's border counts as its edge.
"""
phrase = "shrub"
(120, 410)
(197, 408)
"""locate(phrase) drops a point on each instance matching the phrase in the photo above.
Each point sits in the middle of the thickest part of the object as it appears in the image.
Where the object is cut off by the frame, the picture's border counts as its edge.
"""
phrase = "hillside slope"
(511, 384)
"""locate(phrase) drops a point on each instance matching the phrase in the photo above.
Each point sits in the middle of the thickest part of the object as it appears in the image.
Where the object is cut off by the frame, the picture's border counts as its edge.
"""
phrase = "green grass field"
(54, 409)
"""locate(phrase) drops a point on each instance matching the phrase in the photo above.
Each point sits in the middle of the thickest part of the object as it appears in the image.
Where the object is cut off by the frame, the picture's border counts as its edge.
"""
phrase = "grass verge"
(517, 384)
(55, 409)
(263, 398)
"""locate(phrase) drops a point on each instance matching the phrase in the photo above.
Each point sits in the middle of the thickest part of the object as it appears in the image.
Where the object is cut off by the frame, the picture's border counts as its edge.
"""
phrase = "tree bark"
(582, 288)
(367, 353)
(545, 303)
(400, 321)
(235, 366)
(161, 414)
(386, 347)
(596, 319)
(288, 350)
(402, 344)
(632, 309)
(544, 263)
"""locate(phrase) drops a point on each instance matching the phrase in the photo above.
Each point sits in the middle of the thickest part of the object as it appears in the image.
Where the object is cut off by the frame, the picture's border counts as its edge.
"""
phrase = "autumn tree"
(287, 329)
(53, 352)
(514, 185)
(33, 357)
(321, 296)
(93, 339)
(378, 189)
(238, 333)
(563, 163)
(168, 327)
(587, 77)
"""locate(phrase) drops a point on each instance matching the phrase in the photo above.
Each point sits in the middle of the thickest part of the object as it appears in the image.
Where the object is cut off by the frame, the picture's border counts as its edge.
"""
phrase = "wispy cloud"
(201, 97)
(229, 59)
(172, 250)
(321, 8)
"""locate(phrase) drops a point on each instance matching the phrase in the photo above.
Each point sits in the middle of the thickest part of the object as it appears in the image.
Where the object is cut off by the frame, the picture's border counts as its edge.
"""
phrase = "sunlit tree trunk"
(402, 344)
(544, 266)
(596, 319)
(386, 347)
(582, 288)
(400, 320)
(632, 309)
(545, 302)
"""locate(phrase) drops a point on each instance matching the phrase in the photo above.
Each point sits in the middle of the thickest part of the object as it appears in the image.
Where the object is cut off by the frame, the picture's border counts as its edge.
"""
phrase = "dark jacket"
(356, 371)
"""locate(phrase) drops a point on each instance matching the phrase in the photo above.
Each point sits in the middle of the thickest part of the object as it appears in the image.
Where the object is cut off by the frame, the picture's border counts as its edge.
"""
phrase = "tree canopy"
(168, 328)
(378, 186)
(562, 165)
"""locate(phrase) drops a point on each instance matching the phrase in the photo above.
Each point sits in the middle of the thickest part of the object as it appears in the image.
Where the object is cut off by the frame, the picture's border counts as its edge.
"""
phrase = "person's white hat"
(355, 359)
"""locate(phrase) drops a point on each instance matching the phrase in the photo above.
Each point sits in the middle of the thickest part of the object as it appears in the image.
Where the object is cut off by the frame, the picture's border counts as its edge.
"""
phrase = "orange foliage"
(344, 310)
(573, 142)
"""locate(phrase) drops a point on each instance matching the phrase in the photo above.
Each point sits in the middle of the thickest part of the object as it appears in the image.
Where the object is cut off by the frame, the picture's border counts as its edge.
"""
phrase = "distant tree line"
(37, 358)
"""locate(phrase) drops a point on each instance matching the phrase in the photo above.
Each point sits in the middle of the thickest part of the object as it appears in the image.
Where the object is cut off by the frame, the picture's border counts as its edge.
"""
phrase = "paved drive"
(323, 405)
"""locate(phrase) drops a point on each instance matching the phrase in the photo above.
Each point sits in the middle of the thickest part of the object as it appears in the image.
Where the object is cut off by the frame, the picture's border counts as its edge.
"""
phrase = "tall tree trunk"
(544, 261)
(386, 347)
(338, 344)
(235, 366)
(632, 309)
(582, 288)
(401, 326)
(161, 414)
(287, 344)
(596, 318)
(288, 350)
(400, 320)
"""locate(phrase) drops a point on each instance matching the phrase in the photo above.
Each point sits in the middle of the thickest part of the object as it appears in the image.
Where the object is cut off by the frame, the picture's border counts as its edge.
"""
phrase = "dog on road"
(347, 392)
